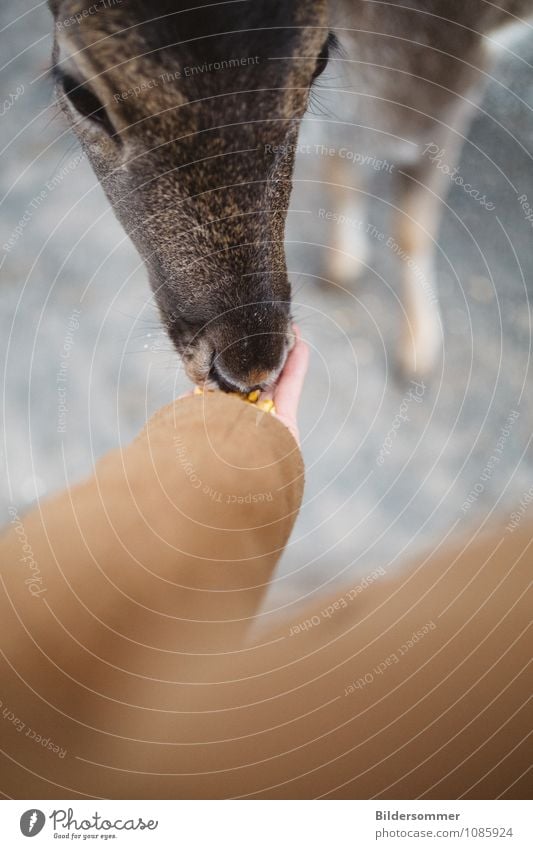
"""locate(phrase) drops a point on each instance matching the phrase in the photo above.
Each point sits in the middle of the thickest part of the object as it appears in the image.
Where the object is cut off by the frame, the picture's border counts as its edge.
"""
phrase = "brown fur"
(191, 173)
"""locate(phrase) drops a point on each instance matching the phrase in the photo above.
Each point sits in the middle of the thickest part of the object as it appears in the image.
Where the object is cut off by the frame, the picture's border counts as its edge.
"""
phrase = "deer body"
(405, 90)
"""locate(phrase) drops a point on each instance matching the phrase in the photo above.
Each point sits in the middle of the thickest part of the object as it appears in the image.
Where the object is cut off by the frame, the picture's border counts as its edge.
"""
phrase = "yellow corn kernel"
(267, 406)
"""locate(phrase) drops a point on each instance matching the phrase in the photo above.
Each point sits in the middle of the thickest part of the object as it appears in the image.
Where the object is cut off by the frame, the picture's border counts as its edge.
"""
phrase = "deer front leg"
(423, 189)
(416, 226)
(343, 193)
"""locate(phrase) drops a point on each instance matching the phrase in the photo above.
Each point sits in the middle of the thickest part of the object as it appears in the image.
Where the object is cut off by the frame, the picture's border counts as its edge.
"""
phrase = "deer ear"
(54, 5)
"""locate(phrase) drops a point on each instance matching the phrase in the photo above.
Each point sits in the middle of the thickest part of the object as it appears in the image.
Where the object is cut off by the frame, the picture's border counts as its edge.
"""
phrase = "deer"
(190, 112)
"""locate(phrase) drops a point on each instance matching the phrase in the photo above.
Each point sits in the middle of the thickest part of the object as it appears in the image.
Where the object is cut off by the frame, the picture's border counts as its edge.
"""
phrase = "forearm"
(415, 686)
(162, 557)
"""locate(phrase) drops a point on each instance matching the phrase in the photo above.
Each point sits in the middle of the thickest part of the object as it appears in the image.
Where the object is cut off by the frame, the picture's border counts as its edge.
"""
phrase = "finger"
(290, 384)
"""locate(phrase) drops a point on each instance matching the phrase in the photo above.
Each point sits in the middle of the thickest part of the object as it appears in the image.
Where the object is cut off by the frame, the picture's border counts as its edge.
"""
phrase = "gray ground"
(117, 367)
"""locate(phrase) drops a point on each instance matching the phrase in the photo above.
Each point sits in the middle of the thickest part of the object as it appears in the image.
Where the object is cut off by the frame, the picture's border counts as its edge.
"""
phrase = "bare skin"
(288, 389)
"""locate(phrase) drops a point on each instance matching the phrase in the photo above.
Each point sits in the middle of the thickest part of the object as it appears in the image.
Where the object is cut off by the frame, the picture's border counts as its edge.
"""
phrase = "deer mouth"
(258, 379)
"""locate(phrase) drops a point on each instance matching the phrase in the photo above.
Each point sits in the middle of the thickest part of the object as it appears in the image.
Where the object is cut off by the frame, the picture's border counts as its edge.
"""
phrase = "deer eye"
(86, 103)
(323, 57)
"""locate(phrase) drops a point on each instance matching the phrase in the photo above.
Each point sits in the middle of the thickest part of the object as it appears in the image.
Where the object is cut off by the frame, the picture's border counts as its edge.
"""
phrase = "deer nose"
(249, 347)
(255, 379)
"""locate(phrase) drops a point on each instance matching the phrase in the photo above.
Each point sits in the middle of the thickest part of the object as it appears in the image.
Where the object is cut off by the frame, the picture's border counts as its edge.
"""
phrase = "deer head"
(189, 114)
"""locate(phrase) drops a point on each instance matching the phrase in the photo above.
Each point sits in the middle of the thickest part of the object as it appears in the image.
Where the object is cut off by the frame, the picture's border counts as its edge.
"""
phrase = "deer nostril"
(222, 381)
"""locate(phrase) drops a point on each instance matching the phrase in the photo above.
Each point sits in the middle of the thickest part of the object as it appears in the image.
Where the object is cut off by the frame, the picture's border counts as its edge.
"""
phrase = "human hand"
(288, 389)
